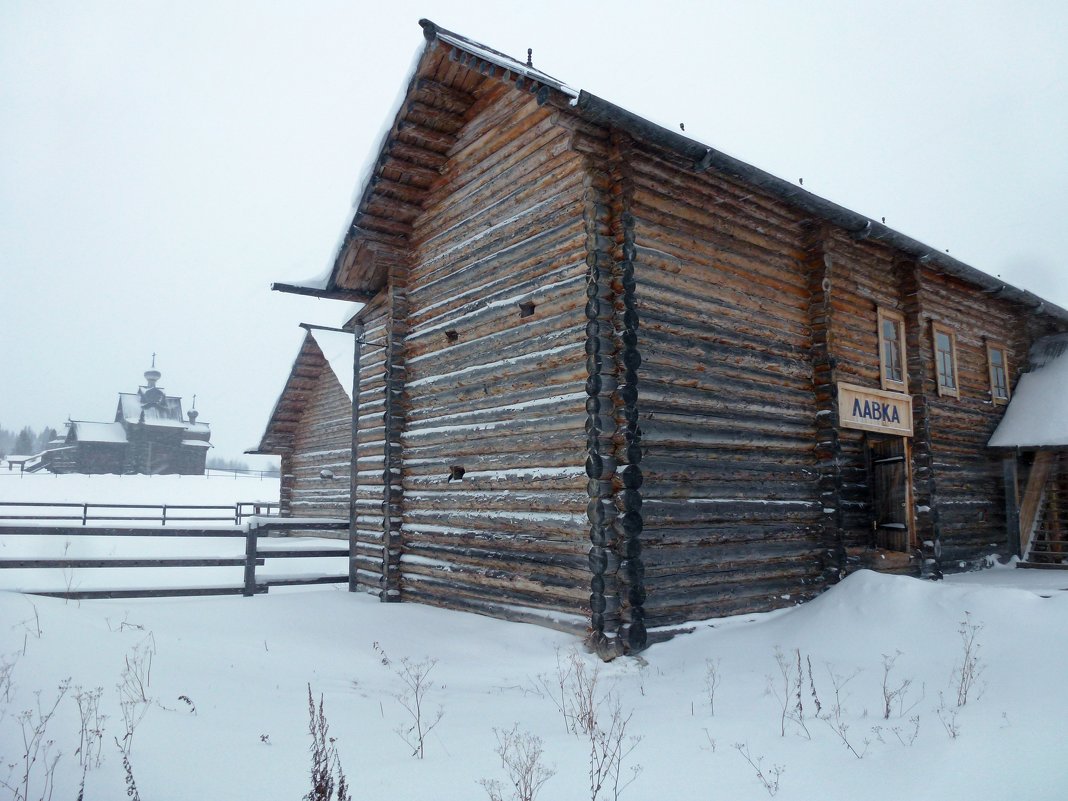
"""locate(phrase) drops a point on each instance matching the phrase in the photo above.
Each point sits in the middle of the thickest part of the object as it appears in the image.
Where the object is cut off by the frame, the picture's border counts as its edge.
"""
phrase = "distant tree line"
(26, 442)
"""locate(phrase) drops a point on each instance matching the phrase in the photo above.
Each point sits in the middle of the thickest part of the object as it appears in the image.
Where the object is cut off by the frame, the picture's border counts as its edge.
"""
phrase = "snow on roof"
(338, 349)
(99, 432)
(1037, 415)
(196, 443)
(169, 414)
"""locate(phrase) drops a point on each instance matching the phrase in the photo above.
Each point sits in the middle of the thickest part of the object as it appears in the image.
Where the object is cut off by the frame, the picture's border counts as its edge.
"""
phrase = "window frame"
(991, 346)
(943, 390)
(887, 383)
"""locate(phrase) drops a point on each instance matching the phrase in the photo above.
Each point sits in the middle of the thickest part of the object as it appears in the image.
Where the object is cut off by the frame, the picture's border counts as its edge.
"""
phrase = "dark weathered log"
(297, 582)
(147, 593)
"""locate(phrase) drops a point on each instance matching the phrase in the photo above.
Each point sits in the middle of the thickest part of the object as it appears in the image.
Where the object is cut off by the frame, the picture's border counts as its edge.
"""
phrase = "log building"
(612, 379)
(310, 427)
(1033, 438)
(150, 435)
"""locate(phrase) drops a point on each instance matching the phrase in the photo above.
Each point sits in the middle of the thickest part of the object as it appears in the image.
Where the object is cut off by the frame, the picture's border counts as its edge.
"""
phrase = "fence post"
(164, 514)
(250, 561)
(237, 514)
(85, 512)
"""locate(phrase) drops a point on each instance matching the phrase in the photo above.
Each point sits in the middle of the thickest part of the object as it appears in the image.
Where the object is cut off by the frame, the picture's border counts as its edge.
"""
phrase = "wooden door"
(889, 477)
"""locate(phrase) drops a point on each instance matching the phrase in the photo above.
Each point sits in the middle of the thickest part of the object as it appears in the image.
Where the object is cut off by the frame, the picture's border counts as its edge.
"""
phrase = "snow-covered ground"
(226, 713)
(172, 490)
(75, 488)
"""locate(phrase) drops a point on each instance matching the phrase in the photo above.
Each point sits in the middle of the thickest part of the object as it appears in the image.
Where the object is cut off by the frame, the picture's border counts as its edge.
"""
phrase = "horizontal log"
(298, 582)
(154, 562)
(313, 553)
(94, 531)
(146, 593)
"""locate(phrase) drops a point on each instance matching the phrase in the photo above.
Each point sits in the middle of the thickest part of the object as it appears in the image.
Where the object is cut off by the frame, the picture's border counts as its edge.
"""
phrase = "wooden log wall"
(371, 470)
(725, 399)
(957, 483)
(969, 478)
(321, 442)
(602, 386)
(285, 487)
(819, 262)
(864, 279)
(492, 448)
(920, 363)
(629, 524)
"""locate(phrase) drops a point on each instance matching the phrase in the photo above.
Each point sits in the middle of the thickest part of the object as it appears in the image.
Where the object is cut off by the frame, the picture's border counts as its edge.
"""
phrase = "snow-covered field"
(171, 490)
(74, 488)
(226, 715)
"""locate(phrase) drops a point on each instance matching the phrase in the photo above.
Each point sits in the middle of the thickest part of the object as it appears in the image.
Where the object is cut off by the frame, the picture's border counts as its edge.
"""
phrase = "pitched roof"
(451, 75)
(1037, 415)
(321, 350)
(87, 431)
(167, 414)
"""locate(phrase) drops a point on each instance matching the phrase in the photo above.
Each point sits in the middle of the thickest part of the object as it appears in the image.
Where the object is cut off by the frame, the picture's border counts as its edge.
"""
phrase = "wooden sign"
(874, 410)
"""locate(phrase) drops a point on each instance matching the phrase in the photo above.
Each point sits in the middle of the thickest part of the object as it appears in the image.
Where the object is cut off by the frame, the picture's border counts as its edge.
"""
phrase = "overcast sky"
(162, 163)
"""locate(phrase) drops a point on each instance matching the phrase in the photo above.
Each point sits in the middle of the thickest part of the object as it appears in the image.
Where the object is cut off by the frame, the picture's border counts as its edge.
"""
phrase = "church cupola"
(153, 395)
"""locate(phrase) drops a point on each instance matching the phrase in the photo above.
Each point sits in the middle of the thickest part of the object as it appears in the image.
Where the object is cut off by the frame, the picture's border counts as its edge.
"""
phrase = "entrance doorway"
(889, 481)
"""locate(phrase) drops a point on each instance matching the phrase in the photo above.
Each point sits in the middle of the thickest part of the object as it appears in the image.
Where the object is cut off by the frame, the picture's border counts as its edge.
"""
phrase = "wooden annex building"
(310, 427)
(612, 379)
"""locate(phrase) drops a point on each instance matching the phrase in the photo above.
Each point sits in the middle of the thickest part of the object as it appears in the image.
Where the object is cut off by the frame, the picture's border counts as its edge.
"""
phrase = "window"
(945, 354)
(892, 351)
(997, 358)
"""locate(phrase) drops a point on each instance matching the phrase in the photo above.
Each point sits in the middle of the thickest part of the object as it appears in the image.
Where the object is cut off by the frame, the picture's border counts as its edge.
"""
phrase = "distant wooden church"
(612, 379)
(149, 435)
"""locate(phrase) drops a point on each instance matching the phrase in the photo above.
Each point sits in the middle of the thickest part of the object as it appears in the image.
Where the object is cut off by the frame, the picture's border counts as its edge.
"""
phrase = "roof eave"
(859, 226)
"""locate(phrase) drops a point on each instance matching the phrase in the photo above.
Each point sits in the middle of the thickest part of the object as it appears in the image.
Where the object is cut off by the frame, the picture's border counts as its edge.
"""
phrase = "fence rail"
(254, 557)
(33, 470)
(235, 513)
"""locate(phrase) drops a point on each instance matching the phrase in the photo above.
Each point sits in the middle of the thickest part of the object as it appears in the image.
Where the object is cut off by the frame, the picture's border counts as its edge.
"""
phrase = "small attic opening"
(452, 335)
(526, 308)
(456, 473)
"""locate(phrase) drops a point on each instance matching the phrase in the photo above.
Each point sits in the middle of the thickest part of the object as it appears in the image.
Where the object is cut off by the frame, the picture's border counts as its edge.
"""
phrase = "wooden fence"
(254, 557)
(164, 513)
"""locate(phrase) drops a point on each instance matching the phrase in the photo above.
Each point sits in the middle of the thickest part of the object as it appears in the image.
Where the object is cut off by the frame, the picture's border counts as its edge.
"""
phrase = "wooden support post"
(1034, 498)
(1012, 504)
(163, 517)
(820, 264)
(923, 518)
(357, 333)
(250, 561)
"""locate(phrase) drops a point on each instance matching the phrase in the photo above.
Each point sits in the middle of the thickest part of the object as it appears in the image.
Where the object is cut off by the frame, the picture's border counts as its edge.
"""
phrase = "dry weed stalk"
(327, 777)
(39, 757)
(520, 754)
(712, 681)
(770, 779)
(971, 667)
(597, 717)
(415, 676)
